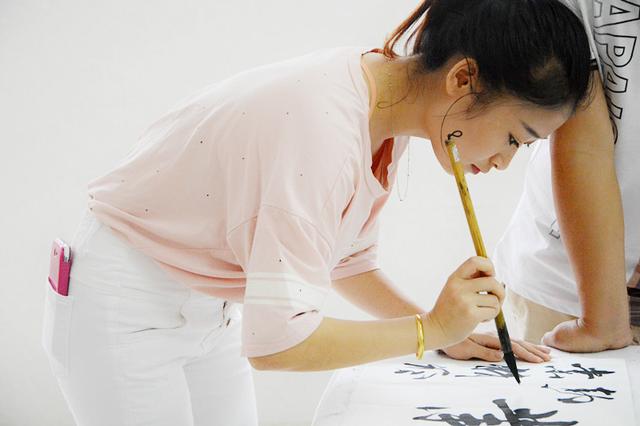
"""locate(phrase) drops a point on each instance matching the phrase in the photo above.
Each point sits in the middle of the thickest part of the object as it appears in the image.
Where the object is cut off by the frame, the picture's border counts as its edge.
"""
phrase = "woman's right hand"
(470, 296)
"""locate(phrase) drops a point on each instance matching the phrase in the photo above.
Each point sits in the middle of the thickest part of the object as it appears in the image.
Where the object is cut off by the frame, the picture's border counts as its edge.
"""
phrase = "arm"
(341, 343)
(588, 205)
(375, 293)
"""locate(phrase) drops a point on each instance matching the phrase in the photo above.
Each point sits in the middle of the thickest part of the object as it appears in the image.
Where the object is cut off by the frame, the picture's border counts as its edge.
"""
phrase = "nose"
(502, 160)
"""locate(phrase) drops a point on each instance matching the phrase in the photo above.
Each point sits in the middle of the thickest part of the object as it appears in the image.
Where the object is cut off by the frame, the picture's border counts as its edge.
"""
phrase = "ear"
(462, 78)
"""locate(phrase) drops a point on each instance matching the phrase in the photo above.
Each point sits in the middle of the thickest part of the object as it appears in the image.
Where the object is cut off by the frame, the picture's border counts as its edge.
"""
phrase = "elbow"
(275, 362)
(295, 358)
(261, 363)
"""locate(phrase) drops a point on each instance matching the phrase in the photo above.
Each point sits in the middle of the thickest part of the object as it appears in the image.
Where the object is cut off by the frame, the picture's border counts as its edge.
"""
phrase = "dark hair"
(535, 50)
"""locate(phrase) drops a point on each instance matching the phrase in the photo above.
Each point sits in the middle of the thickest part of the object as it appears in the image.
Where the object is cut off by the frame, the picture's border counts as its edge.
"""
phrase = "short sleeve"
(286, 263)
(363, 259)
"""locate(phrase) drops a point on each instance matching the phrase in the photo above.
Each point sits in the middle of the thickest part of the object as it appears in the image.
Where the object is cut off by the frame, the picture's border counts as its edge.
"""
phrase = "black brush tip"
(510, 359)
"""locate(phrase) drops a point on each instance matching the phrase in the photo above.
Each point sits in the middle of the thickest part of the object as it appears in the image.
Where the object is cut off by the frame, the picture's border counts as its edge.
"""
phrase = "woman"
(265, 189)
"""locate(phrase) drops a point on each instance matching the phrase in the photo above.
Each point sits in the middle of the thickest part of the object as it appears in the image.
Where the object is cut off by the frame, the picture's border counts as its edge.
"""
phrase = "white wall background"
(79, 82)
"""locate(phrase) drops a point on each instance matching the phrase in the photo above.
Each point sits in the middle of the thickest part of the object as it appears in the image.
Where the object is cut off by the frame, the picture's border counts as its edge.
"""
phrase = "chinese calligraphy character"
(420, 371)
(589, 372)
(582, 396)
(518, 417)
(493, 370)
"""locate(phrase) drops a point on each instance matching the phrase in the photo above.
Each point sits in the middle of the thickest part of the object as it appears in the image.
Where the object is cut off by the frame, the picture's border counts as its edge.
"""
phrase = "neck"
(400, 107)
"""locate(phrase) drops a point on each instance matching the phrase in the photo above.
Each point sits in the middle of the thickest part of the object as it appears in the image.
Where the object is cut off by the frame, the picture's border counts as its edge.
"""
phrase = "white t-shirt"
(531, 258)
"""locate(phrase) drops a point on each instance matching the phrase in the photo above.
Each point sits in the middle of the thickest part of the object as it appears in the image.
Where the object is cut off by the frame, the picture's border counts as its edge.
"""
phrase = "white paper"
(564, 392)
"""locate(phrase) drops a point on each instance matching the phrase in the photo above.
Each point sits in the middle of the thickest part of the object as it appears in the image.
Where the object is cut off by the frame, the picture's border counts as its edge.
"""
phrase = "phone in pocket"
(60, 267)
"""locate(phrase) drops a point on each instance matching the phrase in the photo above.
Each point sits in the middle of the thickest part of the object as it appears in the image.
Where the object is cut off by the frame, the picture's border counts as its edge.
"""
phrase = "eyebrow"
(530, 130)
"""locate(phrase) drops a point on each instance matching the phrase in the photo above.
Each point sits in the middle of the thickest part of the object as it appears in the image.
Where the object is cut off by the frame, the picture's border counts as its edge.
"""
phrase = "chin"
(447, 168)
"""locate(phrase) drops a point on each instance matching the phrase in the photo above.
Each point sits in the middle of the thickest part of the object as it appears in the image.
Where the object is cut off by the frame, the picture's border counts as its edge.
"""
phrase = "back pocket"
(56, 329)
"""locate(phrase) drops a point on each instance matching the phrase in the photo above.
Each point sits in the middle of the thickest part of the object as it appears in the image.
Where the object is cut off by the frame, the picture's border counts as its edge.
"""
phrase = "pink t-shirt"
(262, 189)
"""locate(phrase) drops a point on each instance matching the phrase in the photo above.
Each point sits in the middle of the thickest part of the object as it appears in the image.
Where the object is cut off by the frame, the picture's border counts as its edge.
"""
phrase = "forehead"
(534, 120)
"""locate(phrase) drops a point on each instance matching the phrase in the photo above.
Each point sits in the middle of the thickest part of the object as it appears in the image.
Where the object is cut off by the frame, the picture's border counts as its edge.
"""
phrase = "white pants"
(131, 346)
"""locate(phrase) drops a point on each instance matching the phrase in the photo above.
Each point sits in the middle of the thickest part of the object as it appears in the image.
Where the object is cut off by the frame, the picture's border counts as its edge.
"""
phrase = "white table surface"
(334, 404)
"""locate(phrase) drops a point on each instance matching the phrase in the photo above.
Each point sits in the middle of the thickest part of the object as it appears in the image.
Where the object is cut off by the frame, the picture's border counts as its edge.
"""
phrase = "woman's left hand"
(487, 348)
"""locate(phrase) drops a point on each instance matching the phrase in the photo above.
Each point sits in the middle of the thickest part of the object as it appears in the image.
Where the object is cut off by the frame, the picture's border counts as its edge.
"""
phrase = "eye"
(513, 141)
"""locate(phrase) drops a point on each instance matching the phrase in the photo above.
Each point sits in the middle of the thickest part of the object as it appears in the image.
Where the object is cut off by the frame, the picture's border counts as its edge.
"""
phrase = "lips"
(474, 169)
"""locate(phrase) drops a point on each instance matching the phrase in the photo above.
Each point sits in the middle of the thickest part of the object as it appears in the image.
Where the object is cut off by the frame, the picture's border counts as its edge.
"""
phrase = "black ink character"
(582, 396)
(493, 370)
(589, 372)
(518, 417)
(420, 371)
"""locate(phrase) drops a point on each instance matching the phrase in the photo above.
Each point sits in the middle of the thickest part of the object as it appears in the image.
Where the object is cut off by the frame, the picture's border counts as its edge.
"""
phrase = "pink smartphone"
(60, 267)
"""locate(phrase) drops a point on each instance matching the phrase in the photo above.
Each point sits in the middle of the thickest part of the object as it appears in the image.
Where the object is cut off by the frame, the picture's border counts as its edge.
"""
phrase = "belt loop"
(225, 318)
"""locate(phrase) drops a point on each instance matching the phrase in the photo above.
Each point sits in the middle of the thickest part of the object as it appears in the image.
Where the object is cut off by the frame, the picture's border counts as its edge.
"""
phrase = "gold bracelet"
(420, 350)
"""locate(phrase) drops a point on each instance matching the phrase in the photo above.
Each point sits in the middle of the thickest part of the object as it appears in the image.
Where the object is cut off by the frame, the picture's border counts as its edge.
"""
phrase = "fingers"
(484, 353)
(487, 340)
(469, 349)
(529, 352)
(488, 285)
(488, 306)
(470, 295)
(474, 267)
(525, 351)
(487, 301)
(481, 297)
(488, 354)
(486, 314)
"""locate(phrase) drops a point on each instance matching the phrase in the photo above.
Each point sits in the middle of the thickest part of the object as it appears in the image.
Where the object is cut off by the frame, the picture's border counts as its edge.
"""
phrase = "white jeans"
(131, 346)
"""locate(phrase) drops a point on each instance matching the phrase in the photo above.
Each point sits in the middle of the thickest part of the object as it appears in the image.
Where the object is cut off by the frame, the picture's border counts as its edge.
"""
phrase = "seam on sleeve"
(241, 224)
(324, 204)
(305, 220)
(290, 213)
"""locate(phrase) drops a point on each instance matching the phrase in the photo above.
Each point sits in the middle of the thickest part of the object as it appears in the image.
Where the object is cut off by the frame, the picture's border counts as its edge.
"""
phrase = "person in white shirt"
(571, 248)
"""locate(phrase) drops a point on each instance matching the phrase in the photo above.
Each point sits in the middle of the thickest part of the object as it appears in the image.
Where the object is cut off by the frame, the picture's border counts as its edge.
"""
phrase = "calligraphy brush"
(458, 172)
